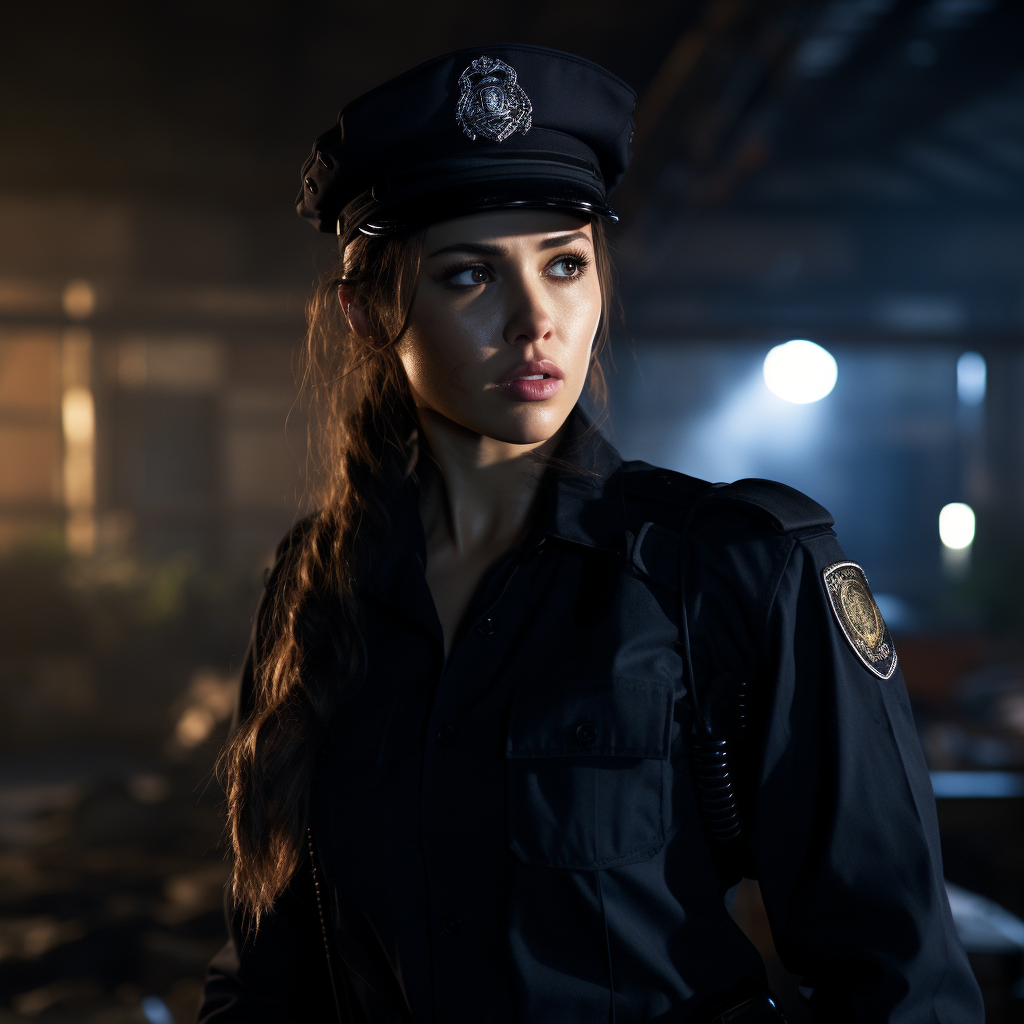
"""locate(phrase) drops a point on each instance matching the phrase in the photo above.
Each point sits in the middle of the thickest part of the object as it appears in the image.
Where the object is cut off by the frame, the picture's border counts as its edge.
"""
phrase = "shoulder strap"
(784, 507)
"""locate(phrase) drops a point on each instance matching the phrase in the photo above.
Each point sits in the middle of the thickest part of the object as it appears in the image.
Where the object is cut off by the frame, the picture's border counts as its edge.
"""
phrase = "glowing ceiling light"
(971, 377)
(956, 525)
(800, 371)
(78, 416)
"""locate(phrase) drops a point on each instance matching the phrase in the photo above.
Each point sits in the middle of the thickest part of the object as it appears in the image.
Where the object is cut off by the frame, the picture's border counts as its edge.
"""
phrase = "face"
(503, 320)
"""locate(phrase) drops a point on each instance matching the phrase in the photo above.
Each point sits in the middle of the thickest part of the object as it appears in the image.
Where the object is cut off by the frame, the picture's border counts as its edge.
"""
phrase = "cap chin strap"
(384, 227)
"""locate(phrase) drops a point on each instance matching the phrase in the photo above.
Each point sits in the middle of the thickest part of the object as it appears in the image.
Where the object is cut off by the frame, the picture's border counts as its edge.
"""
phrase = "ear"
(357, 319)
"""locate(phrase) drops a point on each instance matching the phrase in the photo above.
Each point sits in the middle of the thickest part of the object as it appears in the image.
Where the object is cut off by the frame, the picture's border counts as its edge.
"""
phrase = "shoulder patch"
(858, 616)
(786, 507)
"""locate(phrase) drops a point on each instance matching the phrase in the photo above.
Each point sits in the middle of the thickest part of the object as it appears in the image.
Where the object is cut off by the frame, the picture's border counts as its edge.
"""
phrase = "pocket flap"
(592, 718)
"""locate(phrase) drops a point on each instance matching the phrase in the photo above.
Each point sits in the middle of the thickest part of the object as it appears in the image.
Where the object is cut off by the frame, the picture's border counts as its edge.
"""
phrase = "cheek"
(444, 349)
(581, 320)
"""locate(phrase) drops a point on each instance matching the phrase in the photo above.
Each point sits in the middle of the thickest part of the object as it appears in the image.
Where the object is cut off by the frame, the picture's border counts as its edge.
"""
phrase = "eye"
(470, 276)
(567, 266)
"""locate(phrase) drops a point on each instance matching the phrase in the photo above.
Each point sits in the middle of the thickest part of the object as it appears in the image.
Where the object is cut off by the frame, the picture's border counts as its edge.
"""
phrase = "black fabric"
(403, 142)
(278, 974)
(512, 836)
(786, 507)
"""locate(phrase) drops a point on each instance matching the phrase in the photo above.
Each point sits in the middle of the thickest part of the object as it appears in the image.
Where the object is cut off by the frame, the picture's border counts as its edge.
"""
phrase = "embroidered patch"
(859, 618)
(491, 103)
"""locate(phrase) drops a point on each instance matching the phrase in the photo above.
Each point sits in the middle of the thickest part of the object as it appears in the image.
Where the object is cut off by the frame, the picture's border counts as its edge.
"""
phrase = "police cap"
(491, 127)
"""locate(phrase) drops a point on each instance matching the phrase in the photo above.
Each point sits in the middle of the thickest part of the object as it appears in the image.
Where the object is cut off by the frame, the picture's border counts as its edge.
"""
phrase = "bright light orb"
(800, 372)
(78, 415)
(971, 378)
(956, 525)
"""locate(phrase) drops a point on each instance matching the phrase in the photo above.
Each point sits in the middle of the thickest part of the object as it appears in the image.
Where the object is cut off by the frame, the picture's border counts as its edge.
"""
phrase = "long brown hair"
(362, 436)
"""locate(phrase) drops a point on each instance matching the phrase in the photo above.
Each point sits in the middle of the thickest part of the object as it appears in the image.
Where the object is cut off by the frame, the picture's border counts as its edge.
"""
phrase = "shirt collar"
(581, 502)
(588, 504)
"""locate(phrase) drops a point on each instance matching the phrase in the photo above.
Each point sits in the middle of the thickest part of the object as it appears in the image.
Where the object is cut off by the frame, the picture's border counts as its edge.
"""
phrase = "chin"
(527, 424)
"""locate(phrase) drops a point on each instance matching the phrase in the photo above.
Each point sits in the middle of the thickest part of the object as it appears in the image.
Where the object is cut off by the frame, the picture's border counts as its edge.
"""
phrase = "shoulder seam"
(787, 509)
(770, 605)
(641, 480)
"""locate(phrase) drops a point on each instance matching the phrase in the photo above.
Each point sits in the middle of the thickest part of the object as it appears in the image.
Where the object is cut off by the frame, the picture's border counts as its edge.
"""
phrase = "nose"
(527, 318)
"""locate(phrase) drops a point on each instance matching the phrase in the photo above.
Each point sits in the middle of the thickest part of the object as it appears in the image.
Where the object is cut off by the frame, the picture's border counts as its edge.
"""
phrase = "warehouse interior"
(843, 172)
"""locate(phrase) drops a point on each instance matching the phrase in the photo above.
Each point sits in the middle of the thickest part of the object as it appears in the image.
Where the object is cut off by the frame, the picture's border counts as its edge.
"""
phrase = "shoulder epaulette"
(787, 508)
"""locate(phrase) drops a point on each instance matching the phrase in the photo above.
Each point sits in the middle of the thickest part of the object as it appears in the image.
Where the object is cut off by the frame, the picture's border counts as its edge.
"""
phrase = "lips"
(533, 381)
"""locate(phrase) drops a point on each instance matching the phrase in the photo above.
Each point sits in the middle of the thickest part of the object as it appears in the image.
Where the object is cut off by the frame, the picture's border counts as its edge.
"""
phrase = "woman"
(516, 715)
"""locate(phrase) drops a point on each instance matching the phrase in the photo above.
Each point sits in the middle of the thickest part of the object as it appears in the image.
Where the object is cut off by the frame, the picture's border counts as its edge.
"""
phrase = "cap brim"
(421, 211)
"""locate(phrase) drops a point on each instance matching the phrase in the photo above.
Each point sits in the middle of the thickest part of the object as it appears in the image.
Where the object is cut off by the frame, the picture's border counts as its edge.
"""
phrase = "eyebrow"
(476, 248)
(483, 249)
(560, 240)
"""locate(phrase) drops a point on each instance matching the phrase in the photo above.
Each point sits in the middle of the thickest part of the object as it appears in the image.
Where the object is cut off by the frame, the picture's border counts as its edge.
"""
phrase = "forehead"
(508, 227)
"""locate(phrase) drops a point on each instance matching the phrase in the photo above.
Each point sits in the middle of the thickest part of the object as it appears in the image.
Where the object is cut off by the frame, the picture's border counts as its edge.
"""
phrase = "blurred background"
(846, 174)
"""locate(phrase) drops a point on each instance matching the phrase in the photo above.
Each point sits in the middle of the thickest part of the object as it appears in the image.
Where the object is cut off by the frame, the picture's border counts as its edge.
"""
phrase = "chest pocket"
(587, 772)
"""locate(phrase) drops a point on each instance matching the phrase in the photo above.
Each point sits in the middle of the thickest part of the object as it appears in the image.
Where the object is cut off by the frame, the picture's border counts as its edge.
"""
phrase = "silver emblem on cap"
(491, 103)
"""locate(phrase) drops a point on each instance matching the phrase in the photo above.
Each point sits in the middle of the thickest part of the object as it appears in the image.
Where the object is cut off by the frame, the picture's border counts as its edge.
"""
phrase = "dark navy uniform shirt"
(513, 836)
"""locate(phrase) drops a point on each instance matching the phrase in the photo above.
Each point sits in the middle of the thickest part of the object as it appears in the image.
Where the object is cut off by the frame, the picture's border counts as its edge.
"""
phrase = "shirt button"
(450, 923)
(486, 626)
(446, 736)
(587, 734)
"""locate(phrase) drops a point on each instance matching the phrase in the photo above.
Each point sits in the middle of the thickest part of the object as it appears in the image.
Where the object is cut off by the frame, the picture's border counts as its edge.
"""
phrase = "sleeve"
(844, 832)
(279, 974)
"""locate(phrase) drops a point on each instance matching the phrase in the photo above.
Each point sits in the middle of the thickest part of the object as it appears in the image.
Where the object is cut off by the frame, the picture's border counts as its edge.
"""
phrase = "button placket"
(450, 744)
(487, 625)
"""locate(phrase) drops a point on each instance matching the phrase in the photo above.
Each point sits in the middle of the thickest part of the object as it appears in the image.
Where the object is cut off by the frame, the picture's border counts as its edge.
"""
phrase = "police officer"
(517, 715)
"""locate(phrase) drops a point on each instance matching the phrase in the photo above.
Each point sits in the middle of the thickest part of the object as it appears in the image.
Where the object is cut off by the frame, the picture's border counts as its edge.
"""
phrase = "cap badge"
(859, 618)
(491, 103)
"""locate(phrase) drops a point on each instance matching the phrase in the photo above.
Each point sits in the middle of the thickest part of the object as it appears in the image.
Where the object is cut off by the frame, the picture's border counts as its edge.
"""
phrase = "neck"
(483, 490)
